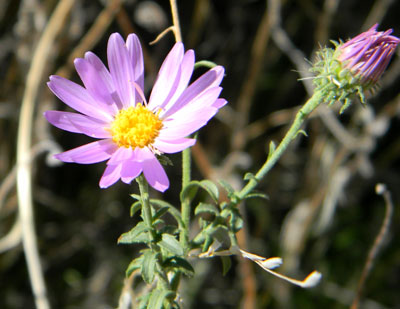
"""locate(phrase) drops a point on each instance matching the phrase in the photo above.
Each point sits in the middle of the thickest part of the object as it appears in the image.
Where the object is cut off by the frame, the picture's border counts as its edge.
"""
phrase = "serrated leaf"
(272, 148)
(171, 209)
(135, 208)
(134, 265)
(157, 298)
(180, 264)
(169, 243)
(148, 266)
(226, 264)
(206, 208)
(138, 234)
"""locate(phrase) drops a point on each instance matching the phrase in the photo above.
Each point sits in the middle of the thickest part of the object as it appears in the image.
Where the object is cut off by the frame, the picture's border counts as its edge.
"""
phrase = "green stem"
(148, 220)
(146, 208)
(184, 233)
(301, 115)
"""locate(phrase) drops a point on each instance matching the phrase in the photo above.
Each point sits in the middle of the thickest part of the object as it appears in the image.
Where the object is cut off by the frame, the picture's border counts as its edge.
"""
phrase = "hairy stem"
(301, 115)
(184, 233)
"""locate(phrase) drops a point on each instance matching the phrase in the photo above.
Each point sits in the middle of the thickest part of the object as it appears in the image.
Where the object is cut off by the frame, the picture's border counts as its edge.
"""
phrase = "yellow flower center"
(135, 126)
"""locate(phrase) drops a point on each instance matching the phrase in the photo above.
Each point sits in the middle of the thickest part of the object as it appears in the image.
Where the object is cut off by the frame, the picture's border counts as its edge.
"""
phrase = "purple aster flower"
(368, 54)
(130, 132)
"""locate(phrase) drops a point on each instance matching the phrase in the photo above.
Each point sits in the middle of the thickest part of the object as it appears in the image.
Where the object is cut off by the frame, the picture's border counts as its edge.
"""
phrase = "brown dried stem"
(380, 190)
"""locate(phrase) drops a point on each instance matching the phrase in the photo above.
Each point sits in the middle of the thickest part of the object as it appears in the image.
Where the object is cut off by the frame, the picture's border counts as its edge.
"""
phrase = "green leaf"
(180, 264)
(257, 195)
(144, 300)
(170, 244)
(220, 233)
(206, 208)
(236, 222)
(160, 212)
(164, 160)
(228, 188)
(171, 209)
(207, 243)
(300, 132)
(157, 298)
(169, 229)
(204, 63)
(211, 188)
(135, 207)
(191, 189)
(272, 148)
(250, 176)
(136, 197)
(148, 266)
(134, 265)
(139, 234)
(189, 192)
(226, 264)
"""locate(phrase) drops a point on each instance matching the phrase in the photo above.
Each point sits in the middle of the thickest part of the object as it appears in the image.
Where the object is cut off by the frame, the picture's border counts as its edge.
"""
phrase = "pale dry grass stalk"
(24, 171)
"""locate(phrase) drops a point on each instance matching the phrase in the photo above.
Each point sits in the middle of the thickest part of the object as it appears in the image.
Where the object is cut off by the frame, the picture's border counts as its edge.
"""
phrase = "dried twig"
(24, 182)
(380, 190)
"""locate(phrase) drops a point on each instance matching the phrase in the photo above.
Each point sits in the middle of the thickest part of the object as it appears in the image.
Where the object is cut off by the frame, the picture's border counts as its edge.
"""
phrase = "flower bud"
(354, 66)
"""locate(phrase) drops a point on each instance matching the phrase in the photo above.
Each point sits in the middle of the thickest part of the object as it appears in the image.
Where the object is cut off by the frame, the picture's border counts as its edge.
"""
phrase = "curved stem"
(24, 162)
(301, 115)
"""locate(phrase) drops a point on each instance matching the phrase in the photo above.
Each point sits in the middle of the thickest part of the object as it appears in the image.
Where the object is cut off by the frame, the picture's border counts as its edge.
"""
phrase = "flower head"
(368, 54)
(353, 67)
(130, 131)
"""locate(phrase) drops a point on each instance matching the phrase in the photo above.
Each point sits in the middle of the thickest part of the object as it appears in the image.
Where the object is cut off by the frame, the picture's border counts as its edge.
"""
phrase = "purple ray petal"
(219, 103)
(90, 153)
(136, 54)
(154, 172)
(110, 176)
(182, 80)
(97, 80)
(188, 126)
(120, 155)
(76, 97)
(121, 69)
(203, 101)
(78, 123)
(210, 79)
(130, 170)
(167, 76)
(173, 146)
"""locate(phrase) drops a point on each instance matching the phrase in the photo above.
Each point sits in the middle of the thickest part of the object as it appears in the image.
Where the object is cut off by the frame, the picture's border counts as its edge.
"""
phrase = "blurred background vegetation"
(322, 213)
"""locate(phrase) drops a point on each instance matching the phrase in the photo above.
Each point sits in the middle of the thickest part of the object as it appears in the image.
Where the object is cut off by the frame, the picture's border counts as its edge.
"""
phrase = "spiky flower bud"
(355, 66)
